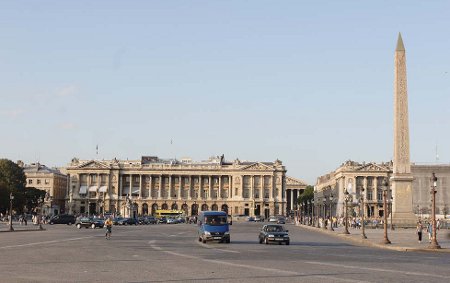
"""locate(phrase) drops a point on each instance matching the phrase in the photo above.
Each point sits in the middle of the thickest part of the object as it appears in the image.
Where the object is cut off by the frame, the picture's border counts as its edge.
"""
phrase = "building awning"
(93, 188)
(83, 190)
(103, 189)
(135, 191)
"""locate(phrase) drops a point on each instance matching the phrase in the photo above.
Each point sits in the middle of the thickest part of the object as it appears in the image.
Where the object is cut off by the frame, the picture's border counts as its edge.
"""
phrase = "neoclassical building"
(294, 187)
(50, 180)
(366, 181)
(139, 187)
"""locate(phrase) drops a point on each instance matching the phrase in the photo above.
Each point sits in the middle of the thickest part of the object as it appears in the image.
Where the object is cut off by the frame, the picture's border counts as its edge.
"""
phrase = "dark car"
(152, 220)
(162, 220)
(87, 222)
(281, 220)
(127, 221)
(273, 233)
(62, 219)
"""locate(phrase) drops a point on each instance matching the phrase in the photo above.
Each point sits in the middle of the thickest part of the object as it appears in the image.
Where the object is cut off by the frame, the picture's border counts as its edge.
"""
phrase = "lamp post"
(41, 202)
(324, 222)
(11, 197)
(318, 213)
(434, 244)
(363, 208)
(346, 198)
(390, 211)
(385, 191)
(330, 198)
(312, 212)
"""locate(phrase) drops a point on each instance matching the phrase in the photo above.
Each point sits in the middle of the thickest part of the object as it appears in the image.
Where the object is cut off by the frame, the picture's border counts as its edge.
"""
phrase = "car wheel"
(260, 240)
(287, 243)
(70, 223)
(199, 239)
(279, 243)
(204, 241)
(51, 223)
(266, 241)
(79, 226)
(93, 226)
(228, 241)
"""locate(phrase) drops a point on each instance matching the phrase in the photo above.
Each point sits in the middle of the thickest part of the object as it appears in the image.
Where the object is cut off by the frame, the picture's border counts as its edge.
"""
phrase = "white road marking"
(378, 269)
(259, 268)
(46, 242)
(210, 247)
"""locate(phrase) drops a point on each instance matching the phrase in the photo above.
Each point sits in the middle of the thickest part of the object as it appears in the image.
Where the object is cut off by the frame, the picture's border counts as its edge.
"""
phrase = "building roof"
(38, 168)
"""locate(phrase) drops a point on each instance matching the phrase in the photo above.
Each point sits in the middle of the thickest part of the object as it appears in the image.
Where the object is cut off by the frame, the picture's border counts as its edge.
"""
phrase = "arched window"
(214, 207)
(164, 206)
(204, 207)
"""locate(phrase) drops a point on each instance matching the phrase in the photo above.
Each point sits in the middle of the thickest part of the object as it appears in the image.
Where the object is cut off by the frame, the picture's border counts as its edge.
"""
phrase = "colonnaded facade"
(366, 181)
(140, 187)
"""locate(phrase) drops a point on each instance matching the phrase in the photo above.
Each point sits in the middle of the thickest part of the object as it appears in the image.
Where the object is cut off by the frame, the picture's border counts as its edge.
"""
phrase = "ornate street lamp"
(434, 244)
(385, 191)
(346, 198)
(11, 197)
(312, 213)
(390, 211)
(41, 203)
(363, 208)
(318, 212)
(324, 222)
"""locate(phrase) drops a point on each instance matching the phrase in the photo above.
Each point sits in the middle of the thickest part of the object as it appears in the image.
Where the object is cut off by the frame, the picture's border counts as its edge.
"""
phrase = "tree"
(306, 196)
(12, 180)
(32, 197)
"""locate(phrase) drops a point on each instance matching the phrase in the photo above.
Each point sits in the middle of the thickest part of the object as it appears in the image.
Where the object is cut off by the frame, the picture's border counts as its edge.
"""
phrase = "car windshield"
(274, 229)
(215, 220)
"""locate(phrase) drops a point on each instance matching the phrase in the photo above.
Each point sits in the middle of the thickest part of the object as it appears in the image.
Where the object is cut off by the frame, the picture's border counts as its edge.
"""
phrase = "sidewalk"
(401, 239)
(4, 227)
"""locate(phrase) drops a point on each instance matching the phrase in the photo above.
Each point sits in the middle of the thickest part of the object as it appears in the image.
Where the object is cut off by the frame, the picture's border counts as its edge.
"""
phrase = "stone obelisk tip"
(400, 46)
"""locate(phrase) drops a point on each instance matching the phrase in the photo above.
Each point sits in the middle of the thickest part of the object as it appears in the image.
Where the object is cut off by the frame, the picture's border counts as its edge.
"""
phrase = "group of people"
(429, 229)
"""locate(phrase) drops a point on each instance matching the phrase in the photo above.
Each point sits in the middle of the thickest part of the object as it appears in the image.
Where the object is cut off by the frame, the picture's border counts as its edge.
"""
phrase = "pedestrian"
(438, 224)
(419, 231)
(430, 231)
(108, 224)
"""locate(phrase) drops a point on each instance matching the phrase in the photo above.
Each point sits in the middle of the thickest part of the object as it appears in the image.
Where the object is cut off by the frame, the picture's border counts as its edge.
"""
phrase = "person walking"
(430, 231)
(419, 231)
(108, 224)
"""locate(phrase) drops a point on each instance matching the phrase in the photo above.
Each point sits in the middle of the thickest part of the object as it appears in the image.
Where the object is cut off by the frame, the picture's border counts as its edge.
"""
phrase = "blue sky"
(307, 82)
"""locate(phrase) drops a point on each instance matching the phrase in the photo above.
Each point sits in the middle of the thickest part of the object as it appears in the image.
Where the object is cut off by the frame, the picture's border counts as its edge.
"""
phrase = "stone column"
(120, 188)
(140, 186)
(160, 186)
(150, 187)
(131, 184)
(179, 187)
(220, 188)
(170, 187)
(210, 188)
(189, 197)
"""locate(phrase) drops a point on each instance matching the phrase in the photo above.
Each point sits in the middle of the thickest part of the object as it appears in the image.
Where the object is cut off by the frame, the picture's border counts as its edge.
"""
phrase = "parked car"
(152, 220)
(87, 222)
(116, 220)
(273, 233)
(273, 219)
(281, 220)
(172, 221)
(62, 219)
(251, 219)
(143, 220)
(127, 221)
(162, 220)
(258, 218)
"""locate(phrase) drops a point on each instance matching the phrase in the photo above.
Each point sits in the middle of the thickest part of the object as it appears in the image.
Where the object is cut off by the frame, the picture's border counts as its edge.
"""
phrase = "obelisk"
(402, 178)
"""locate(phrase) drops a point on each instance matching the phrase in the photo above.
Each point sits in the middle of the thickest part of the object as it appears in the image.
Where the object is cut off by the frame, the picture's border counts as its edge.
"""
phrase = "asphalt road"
(171, 253)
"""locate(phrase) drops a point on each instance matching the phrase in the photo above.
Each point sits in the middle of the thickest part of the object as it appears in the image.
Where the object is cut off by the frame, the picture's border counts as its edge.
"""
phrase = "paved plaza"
(172, 253)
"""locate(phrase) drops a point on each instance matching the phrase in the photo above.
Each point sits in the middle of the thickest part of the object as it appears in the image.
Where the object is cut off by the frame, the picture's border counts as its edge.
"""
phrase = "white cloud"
(67, 90)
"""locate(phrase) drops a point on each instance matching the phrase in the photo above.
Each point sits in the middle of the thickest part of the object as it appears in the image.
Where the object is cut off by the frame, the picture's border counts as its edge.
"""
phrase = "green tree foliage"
(12, 180)
(32, 196)
(306, 196)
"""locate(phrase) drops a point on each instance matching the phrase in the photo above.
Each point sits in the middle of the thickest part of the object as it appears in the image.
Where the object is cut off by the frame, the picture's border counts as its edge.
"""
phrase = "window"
(38, 181)
(369, 195)
(30, 181)
(47, 181)
(379, 195)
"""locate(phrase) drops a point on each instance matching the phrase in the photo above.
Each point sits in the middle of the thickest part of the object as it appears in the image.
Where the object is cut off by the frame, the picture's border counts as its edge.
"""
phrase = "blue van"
(213, 226)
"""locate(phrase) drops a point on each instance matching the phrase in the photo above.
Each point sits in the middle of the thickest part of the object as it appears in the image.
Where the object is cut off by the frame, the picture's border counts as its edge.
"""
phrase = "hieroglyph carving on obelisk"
(402, 178)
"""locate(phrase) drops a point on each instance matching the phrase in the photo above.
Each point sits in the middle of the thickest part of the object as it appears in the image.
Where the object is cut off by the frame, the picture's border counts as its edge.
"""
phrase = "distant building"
(370, 177)
(52, 181)
(294, 188)
(139, 187)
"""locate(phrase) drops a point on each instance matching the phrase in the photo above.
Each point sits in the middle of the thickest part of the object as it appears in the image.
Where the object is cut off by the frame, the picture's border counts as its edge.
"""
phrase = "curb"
(30, 230)
(365, 242)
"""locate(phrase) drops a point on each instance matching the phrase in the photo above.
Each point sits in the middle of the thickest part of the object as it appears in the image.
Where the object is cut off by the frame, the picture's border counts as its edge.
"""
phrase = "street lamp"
(363, 208)
(346, 198)
(385, 191)
(312, 213)
(434, 244)
(330, 198)
(11, 197)
(41, 202)
(324, 222)
(318, 213)
(390, 211)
